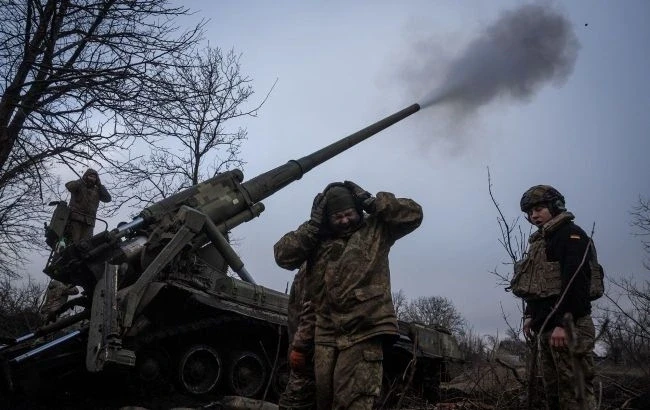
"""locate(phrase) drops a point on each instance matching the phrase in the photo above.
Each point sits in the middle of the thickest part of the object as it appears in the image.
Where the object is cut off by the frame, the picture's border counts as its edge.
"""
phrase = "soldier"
(300, 392)
(84, 200)
(349, 287)
(55, 297)
(558, 278)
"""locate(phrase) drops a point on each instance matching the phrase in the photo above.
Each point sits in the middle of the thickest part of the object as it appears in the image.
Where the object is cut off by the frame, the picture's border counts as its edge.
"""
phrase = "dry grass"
(493, 385)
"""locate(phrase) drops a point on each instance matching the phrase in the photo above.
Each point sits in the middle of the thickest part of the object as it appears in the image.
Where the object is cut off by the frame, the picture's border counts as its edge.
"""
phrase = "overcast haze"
(341, 66)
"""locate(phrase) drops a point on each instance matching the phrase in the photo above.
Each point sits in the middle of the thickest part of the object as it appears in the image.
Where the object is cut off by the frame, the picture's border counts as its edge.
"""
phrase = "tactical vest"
(536, 277)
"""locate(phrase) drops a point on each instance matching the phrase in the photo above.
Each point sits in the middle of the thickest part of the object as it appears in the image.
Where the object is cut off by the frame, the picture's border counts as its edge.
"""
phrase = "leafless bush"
(490, 382)
(625, 323)
(472, 345)
(19, 303)
(627, 334)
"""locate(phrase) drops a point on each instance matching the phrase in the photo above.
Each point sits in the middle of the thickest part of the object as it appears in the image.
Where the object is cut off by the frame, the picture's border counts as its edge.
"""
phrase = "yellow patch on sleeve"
(575, 236)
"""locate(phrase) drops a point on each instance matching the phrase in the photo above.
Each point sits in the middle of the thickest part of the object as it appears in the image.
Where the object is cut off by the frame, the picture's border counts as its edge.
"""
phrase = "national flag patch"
(575, 236)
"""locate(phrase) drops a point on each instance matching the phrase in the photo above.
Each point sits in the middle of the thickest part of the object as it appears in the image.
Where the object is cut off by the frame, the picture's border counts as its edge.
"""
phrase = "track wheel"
(199, 369)
(246, 374)
(152, 366)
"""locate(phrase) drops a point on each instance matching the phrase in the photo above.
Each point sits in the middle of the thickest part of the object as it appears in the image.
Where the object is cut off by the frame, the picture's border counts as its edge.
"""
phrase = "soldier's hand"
(318, 210)
(297, 360)
(364, 197)
(559, 339)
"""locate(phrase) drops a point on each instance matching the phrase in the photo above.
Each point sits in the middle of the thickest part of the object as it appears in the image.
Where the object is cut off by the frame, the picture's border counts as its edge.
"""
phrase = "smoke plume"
(512, 58)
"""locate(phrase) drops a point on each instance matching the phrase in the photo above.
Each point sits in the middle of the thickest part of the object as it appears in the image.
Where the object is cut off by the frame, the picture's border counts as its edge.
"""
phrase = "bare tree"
(434, 310)
(197, 125)
(18, 232)
(19, 305)
(428, 310)
(641, 221)
(627, 334)
(625, 318)
(72, 74)
(400, 303)
(472, 345)
(70, 68)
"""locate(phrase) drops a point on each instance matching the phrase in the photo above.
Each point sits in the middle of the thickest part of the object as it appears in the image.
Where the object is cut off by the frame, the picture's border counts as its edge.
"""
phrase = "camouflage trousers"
(348, 378)
(563, 370)
(300, 393)
(78, 231)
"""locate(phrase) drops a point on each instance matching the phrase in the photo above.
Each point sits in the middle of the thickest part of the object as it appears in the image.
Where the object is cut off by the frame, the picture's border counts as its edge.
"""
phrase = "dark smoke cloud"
(515, 56)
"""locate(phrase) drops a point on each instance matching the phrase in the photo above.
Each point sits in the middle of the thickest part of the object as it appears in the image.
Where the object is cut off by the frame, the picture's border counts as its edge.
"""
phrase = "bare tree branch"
(641, 221)
(19, 303)
(513, 238)
(207, 96)
(72, 75)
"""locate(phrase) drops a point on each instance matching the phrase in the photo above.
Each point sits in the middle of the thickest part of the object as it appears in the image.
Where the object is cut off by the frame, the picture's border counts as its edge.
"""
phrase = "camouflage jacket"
(84, 200)
(348, 277)
(300, 317)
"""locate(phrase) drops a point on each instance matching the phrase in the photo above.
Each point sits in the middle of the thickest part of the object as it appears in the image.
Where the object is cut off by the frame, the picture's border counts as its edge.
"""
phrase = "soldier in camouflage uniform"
(55, 297)
(558, 278)
(300, 392)
(349, 287)
(84, 201)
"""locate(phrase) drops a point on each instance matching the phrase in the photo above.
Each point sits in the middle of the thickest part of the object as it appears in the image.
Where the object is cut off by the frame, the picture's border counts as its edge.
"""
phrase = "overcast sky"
(341, 65)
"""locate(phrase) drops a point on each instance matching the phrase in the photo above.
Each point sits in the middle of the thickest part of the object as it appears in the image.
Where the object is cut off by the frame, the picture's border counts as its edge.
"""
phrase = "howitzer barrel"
(264, 185)
(209, 195)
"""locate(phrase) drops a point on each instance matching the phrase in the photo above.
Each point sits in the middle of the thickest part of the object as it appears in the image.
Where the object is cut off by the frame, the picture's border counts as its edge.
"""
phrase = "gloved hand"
(297, 360)
(364, 197)
(318, 210)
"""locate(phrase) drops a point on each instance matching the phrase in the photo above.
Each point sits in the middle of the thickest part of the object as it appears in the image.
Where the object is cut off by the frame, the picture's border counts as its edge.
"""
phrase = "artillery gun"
(158, 300)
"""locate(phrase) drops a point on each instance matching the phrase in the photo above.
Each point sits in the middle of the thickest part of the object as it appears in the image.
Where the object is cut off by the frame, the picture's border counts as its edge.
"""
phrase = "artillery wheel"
(199, 369)
(152, 366)
(246, 374)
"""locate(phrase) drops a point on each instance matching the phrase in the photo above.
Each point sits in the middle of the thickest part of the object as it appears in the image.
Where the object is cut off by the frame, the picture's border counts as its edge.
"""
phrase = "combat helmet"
(543, 195)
